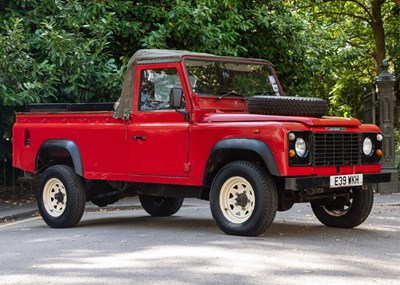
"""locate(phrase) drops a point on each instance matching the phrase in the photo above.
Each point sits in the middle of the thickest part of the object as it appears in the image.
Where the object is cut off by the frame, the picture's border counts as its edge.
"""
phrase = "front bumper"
(301, 183)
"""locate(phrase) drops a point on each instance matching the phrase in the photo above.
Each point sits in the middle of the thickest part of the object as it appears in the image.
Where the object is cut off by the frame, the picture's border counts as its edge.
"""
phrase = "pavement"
(12, 210)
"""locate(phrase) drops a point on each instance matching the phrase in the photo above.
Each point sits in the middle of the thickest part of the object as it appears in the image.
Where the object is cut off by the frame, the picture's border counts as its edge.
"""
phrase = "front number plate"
(346, 180)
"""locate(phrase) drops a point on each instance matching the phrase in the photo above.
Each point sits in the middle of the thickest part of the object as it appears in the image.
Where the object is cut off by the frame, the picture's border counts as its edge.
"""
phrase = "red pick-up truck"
(198, 125)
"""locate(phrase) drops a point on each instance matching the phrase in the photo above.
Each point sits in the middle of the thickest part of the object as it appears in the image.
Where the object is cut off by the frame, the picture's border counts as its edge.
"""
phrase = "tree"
(354, 36)
(362, 20)
(261, 29)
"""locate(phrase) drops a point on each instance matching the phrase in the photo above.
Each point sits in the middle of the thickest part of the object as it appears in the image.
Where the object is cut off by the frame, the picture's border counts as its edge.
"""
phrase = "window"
(214, 78)
(155, 87)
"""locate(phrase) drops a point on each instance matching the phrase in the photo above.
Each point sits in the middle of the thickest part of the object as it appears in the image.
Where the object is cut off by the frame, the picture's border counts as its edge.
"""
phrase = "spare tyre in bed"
(286, 105)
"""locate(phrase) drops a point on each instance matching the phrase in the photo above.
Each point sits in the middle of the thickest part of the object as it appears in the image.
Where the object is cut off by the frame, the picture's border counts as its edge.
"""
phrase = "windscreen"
(216, 78)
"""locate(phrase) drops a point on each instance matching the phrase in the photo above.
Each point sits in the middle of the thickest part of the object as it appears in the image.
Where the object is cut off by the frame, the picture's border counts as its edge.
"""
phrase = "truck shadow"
(147, 223)
(207, 225)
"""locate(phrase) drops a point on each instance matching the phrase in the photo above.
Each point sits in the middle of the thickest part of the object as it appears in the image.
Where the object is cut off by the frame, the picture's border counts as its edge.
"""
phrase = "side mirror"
(175, 98)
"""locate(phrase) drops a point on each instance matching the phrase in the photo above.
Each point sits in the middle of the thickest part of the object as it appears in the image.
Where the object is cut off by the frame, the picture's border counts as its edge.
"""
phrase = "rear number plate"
(346, 180)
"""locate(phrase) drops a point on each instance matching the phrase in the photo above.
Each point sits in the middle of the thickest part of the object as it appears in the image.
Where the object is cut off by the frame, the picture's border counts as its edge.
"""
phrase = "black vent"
(336, 149)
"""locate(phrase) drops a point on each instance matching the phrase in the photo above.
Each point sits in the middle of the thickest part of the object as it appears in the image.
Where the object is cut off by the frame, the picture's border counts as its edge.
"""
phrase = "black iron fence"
(370, 108)
(15, 183)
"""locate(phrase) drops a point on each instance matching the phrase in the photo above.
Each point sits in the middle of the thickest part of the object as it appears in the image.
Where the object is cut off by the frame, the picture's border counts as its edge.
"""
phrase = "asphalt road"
(129, 247)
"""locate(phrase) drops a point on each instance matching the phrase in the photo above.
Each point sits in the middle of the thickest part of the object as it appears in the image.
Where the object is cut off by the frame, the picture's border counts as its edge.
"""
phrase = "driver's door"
(157, 134)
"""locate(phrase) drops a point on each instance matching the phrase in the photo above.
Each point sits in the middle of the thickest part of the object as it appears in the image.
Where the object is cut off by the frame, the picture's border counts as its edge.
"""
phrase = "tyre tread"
(288, 105)
(270, 200)
(356, 215)
(76, 196)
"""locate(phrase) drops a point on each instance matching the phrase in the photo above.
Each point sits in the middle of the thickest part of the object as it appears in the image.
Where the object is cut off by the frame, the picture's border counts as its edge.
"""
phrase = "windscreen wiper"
(232, 93)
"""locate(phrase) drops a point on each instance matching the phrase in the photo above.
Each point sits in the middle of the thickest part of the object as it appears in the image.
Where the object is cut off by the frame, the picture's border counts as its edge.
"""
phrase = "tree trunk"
(379, 34)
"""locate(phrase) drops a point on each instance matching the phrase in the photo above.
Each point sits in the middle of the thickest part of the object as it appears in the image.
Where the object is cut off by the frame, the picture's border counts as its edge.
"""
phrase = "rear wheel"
(61, 197)
(160, 206)
(347, 209)
(243, 199)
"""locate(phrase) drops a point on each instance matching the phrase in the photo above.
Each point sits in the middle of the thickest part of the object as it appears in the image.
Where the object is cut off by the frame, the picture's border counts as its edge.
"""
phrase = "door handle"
(139, 138)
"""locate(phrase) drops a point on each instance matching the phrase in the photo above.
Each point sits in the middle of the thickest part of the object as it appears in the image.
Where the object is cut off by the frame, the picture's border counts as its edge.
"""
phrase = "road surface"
(129, 247)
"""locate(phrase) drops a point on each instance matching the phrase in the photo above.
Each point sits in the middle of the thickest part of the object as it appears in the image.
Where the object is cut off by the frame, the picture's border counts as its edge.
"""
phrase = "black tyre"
(160, 206)
(243, 199)
(286, 105)
(61, 197)
(346, 210)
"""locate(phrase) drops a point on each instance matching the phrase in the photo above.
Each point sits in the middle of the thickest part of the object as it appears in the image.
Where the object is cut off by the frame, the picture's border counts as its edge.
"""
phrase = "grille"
(336, 149)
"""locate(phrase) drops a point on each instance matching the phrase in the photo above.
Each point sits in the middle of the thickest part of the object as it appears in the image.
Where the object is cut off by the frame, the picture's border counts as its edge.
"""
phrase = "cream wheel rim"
(237, 200)
(54, 197)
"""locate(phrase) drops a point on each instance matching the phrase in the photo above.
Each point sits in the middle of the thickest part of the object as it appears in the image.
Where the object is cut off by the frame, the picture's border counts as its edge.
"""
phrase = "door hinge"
(187, 167)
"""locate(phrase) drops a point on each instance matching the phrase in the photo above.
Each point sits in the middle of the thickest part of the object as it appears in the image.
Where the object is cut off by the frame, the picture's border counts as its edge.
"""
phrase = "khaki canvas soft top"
(123, 107)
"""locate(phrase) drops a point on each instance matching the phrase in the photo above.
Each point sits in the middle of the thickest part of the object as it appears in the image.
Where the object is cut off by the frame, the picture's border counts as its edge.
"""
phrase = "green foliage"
(54, 51)
(260, 29)
(213, 27)
(345, 48)
(18, 70)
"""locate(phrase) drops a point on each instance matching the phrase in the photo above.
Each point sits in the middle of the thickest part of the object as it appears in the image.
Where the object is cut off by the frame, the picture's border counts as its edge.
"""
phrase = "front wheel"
(346, 209)
(160, 206)
(243, 199)
(61, 197)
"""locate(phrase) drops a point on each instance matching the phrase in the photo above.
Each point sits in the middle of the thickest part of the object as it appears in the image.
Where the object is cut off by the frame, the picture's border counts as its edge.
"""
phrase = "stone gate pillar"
(385, 82)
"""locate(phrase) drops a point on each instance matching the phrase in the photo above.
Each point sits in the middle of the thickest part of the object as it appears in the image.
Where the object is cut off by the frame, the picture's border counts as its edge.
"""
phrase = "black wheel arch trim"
(69, 146)
(260, 147)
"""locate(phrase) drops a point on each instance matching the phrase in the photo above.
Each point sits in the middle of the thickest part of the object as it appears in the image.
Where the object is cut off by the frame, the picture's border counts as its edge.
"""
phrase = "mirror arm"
(183, 112)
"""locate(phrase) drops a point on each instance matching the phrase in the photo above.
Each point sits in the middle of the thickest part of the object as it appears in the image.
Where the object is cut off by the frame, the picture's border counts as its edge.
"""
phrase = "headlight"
(368, 147)
(372, 148)
(300, 147)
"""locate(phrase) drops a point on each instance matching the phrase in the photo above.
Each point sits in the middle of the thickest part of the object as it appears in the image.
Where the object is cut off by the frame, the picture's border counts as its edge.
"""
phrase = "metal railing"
(15, 183)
